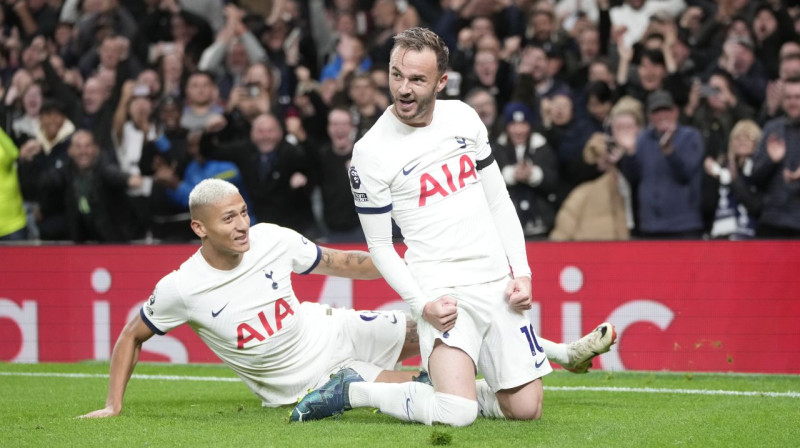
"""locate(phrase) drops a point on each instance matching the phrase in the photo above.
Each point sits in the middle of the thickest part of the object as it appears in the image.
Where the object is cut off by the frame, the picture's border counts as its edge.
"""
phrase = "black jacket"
(95, 206)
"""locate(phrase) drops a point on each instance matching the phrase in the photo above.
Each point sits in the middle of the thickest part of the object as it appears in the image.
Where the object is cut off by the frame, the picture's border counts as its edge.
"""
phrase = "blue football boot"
(330, 399)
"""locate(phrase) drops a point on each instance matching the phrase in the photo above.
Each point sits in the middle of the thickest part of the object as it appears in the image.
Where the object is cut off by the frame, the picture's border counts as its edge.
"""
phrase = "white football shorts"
(500, 341)
(366, 341)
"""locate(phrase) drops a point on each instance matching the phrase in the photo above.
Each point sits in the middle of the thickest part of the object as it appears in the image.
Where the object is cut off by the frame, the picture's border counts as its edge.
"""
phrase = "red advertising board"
(679, 306)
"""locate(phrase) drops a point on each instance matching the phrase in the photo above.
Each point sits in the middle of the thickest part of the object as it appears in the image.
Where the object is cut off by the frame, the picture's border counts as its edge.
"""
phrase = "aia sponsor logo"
(452, 176)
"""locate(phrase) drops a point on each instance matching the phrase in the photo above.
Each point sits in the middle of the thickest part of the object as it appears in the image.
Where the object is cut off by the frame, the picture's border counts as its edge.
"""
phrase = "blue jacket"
(196, 172)
(781, 202)
(668, 187)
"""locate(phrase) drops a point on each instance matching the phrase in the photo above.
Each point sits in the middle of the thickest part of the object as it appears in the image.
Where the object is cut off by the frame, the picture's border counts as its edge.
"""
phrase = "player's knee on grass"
(454, 410)
(523, 403)
(529, 411)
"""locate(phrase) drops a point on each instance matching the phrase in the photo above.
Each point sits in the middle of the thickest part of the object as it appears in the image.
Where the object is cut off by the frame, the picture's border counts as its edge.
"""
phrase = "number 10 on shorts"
(532, 342)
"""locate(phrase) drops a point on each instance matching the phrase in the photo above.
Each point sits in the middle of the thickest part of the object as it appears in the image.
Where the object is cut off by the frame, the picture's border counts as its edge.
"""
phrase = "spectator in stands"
(601, 209)
(201, 106)
(113, 52)
(133, 127)
(97, 21)
(768, 36)
(739, 60)
(534, 83)
(232, 52)
(776, 170)
(367, 104)
(738, 204)
(634, 16)
(339, 213)
(33, 17)
(98, 101)
(13, 224)
(571, 12)
(210, 10)
(557, 117)
(789, 68)
(168, 151)
(154, 29)
(714, 108)
(530, 169)
(275, 174)
(282, 40)
(310, 110)
(666, 172)
(542, 30)
(485, 105)
(91, 193)
(503, 20)
(150, 79)
(246, 102)
(465, 46)
(576, 134)
(25, 125)
(589, 49)
(171, 71)
(21, 80)
(602, 70)
(269, 79)
(350, 58)
(488, 72)
(48, 147)
(732, 46)
(651, 75)
(179, 184)
(192, 34)
(385, 14)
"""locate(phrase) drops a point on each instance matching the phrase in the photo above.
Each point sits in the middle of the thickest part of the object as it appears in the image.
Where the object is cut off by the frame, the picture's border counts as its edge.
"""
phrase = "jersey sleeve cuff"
(315, 263)
(149, 324)
(374, 210)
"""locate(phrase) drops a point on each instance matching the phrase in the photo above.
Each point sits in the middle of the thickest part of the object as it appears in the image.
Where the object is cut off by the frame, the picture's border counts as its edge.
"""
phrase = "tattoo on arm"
(360, 257)
(327, 258)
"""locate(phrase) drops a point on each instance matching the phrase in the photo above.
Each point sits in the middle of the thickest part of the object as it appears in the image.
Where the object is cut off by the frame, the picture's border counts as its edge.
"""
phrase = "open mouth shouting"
(406, 105)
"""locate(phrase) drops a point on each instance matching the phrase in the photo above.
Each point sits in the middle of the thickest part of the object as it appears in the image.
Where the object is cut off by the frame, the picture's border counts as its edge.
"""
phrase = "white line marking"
(650, 390)
(644, 390)
(137, 376)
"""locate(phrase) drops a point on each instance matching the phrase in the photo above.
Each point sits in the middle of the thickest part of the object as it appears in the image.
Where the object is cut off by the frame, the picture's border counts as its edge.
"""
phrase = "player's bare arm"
(353, 264)
(123, 360)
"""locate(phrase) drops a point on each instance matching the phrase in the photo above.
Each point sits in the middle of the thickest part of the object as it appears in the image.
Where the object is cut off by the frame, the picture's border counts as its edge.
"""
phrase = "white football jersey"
(429, 179)
(249, 316)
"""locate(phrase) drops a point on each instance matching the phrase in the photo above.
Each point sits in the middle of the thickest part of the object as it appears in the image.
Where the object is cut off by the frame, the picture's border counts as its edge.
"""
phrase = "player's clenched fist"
(441, 313)
(518, 292)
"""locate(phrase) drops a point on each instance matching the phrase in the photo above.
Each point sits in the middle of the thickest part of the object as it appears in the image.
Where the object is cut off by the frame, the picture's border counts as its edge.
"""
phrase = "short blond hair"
(209, 191)
(628, 105)
(748, 128)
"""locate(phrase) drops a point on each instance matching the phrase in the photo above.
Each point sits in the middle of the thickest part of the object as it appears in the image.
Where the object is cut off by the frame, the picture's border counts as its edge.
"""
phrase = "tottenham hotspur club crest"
(355, 181)
(269, 276)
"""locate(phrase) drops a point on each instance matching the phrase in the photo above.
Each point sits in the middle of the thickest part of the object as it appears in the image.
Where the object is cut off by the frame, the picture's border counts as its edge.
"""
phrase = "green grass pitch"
(39, 403)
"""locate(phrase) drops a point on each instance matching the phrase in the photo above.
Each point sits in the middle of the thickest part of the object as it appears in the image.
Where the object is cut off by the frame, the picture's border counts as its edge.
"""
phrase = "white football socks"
(415, 402)
(488, 406)
(555, 352)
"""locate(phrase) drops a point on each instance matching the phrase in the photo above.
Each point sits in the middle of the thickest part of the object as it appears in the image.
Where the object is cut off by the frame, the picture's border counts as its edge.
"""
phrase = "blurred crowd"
(609, 119)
